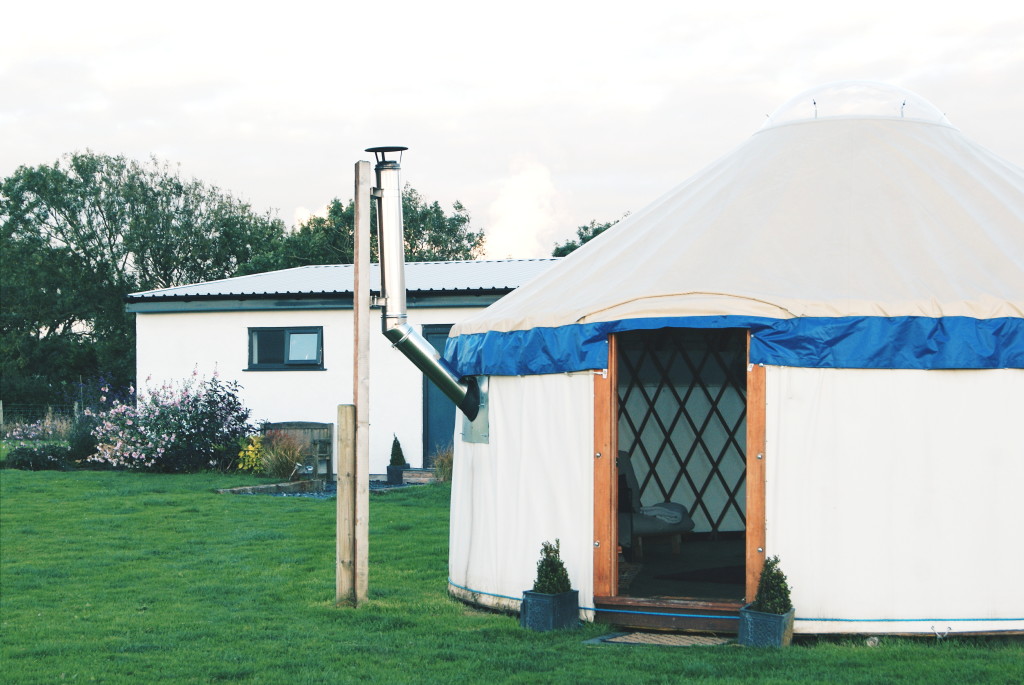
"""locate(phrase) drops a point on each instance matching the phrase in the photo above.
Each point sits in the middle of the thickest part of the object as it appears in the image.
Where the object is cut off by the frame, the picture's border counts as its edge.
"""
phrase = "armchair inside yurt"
(813, 348)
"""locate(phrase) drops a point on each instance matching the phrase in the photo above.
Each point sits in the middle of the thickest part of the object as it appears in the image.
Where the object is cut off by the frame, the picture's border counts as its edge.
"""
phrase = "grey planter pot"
(543, 612)
(758, 629)
(395, 474)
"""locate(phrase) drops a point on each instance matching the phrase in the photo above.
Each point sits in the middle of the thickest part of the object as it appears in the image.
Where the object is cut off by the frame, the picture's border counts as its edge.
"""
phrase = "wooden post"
(606, 542)
(361, 376)
(345, 578)
(756, 419)
(353, 523)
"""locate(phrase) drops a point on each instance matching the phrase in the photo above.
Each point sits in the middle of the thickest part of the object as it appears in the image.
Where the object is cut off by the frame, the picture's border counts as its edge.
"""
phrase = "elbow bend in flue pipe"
(391, 243)
(422, 354)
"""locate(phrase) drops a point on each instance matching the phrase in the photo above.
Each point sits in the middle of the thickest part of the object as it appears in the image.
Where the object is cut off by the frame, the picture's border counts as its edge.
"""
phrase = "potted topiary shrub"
(398, 464)
(551, 604)
(768, 620)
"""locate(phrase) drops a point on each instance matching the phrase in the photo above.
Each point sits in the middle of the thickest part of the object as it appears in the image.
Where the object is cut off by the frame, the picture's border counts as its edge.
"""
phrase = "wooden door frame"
(606, 441)
(755, 515)
(606, 491)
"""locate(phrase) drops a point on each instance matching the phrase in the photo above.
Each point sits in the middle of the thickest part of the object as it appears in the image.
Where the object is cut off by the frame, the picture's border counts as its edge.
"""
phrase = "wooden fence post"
(345, 578)
(353, 523)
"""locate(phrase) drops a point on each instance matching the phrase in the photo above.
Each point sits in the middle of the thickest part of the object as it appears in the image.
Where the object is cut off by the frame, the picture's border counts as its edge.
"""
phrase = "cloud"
(536, 126)
(300, 216)
(525, 214)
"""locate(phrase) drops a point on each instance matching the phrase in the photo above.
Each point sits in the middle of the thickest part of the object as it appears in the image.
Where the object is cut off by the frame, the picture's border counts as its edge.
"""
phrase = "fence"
(318, 438)
(17, 414)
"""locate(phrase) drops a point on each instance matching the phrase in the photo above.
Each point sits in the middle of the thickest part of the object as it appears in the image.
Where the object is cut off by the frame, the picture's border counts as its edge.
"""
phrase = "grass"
(139, 578)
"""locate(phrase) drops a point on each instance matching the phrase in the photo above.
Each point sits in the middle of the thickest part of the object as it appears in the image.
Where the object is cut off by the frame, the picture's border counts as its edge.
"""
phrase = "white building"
(286, 337)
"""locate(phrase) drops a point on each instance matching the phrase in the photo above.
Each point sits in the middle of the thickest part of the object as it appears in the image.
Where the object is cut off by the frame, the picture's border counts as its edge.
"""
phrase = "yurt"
(812, 349)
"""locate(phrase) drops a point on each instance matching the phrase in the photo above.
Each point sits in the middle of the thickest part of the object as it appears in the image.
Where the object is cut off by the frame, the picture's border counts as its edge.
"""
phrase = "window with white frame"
(279, 349)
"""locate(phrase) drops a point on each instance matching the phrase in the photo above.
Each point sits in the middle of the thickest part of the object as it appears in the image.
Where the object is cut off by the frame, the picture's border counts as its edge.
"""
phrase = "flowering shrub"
(41, 445)
(37, 458)
(188, 427)
(48, 429)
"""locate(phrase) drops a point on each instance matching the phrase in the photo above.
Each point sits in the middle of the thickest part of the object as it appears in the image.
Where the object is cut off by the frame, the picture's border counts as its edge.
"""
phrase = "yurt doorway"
(681, 468)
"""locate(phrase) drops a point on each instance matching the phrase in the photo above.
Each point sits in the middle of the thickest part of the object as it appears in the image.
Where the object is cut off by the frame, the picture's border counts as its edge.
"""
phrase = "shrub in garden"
(74, 432)
(48, 457)
(397, 455)
(444, 463)
(81, 441)
(189, 427)
(250, 456)
(552, 576)
(283, 453)
(773, 595)
(51, 428)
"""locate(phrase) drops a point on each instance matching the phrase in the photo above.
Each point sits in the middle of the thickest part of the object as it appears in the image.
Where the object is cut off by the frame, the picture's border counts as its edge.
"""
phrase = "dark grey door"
(438, 410)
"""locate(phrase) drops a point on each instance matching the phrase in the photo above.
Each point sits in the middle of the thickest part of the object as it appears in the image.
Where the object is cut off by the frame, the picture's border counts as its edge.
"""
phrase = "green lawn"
(138, 578)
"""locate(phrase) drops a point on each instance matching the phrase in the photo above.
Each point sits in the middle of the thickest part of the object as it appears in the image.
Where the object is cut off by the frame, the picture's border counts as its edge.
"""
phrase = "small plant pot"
(758, 629)
(543, 612)
(395, 473)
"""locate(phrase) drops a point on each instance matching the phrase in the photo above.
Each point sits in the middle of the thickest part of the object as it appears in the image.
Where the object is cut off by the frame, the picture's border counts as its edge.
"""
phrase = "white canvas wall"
(171, 345)
(893, 496)
(532, 482)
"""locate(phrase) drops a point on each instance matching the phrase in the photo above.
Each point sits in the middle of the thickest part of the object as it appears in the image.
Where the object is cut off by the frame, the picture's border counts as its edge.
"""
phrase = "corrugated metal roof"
(337, 279)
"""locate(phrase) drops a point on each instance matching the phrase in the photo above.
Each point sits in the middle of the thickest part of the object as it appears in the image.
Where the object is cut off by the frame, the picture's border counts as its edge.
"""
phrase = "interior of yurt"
(811, 349)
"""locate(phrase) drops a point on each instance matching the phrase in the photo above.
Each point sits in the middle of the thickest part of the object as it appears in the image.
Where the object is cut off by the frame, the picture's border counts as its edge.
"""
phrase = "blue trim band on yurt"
(901, 342)
(865, 342)
(564, 348)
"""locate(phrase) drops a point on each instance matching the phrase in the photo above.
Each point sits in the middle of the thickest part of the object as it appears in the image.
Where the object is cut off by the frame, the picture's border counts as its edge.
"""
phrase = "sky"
(538, 116)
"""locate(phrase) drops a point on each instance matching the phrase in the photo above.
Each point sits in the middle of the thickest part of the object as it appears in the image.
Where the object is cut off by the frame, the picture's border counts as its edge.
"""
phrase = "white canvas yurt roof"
(857, 229)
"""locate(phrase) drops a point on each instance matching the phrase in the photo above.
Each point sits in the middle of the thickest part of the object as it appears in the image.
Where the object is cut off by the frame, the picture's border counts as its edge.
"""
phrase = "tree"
(584, 234)
(40, 332)
(79, 235)
(319, 240)
(187, 232)
(430, 235)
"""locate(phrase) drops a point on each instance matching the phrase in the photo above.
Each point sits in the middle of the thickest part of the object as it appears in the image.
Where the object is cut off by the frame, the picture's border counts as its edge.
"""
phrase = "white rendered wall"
(893, 498)
(533, 482)
(170, 346)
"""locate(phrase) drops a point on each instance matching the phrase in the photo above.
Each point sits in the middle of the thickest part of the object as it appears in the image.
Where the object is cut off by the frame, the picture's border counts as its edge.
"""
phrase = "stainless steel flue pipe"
(391, 244)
